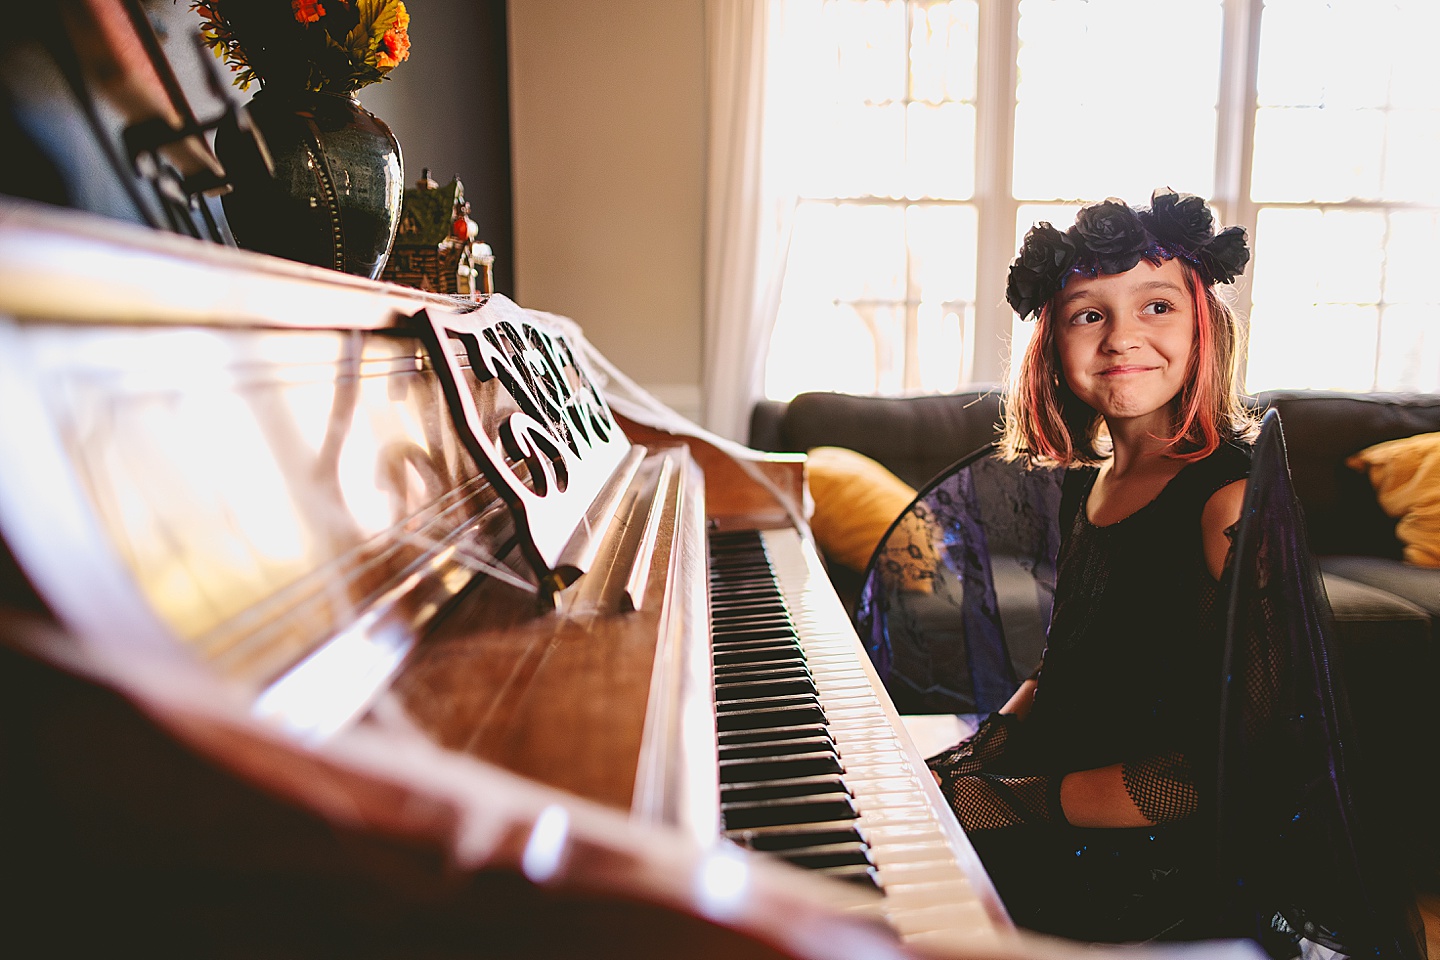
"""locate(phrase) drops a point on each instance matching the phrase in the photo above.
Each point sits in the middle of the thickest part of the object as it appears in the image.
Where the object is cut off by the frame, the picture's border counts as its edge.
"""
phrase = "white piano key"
(935, 889)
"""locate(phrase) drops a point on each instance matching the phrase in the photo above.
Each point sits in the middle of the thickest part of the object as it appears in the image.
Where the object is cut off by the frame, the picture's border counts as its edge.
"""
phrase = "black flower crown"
(1109, 237)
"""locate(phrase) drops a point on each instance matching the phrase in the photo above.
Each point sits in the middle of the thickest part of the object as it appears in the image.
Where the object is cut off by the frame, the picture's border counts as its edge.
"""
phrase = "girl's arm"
(1019, 703)
(1141, 793)
(1222, 512)
(1098, 798)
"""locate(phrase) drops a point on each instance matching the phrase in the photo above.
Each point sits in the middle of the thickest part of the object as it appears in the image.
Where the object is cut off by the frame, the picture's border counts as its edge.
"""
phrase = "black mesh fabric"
(956, 601)
(986, 801)
(1294, 837)
(1162, 787)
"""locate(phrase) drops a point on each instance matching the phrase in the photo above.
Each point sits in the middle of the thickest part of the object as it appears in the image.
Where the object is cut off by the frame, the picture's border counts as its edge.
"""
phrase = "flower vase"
(334, 199)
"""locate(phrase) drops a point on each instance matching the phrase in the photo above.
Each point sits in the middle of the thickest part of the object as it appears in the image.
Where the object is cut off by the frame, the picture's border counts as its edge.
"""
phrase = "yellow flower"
(395, 46)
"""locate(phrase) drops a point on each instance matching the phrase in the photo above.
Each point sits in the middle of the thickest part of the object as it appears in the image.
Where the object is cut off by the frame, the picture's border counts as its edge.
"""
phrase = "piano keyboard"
(815, 765)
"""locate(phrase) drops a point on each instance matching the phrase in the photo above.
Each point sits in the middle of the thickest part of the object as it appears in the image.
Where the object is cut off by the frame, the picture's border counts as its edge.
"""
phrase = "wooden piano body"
(298, 659)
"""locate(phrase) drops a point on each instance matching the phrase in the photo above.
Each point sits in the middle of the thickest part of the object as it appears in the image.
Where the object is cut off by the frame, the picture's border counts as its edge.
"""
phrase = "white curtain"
(750, 203)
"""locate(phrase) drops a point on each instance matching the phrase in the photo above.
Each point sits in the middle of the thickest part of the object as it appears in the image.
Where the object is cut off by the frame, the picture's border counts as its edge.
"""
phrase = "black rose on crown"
(1112, 234)
(1110, 238)
(1223, 257)
(1046, 256)
(1182, 224)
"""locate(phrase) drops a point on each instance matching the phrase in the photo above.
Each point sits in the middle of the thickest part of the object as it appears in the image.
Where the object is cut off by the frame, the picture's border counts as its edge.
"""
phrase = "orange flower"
(307, 11)
(395, 45)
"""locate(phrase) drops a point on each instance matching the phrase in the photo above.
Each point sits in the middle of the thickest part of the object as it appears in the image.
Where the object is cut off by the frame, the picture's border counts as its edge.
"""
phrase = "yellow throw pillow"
(856, 500)
(1406, 476)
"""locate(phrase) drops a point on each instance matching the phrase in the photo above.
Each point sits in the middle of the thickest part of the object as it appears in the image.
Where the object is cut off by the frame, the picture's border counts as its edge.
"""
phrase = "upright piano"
(343, 619)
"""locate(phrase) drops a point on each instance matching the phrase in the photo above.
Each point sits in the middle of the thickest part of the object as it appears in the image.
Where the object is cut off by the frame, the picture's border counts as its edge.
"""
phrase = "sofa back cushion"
(1322, 429)
(916, 437)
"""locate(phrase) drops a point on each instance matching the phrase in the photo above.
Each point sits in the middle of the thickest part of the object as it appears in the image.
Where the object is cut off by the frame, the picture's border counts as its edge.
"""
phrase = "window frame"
(988, 338)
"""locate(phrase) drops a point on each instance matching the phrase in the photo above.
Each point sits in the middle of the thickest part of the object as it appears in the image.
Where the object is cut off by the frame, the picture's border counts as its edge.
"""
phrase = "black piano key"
(784, 702)
(723, 611)
(860, 875)
(748, 634)
(770, 839)
(783, 811)
(777, 748)
(758, 655)
(791, 732)
(754, 687)
(772, 612)
(758, 719)
(732, 672)
(786, 787)
(830, 855)
(749, 770)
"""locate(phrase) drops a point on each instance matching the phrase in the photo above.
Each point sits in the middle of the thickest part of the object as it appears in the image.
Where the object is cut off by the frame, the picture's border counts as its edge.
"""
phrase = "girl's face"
(1124, 341)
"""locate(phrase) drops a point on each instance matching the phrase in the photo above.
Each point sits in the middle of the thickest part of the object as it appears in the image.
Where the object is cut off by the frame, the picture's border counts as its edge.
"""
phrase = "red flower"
(307, 11)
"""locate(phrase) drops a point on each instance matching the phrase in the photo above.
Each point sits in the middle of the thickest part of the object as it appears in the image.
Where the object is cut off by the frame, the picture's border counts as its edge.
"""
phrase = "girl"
(1086, 793)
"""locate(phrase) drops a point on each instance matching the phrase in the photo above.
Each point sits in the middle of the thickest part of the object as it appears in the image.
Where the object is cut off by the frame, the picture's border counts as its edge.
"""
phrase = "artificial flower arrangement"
(331, 46)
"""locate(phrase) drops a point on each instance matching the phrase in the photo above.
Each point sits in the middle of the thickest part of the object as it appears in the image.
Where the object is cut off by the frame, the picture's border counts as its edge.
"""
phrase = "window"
(883, 256)
(942, 129)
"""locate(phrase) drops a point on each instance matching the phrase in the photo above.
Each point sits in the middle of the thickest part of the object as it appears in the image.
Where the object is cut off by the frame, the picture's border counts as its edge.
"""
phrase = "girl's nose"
(1120, 335)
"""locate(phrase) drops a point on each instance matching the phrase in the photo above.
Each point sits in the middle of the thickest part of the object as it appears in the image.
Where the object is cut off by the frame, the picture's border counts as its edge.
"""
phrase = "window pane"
(942, 242)
(1414, 68)
(1409, 349)
(1086, 126)
(855, 150)
(887, 325)
(940, 145)
(1411, 252)
(946, 336)
(1308, 257)
(1317, 271)
(1328, 347)
(1317, 153)
(846, 252)
(1412, 157)
(943, 46)
(1349, 101)
(1334, 54)
(870, 38)
(819, 347)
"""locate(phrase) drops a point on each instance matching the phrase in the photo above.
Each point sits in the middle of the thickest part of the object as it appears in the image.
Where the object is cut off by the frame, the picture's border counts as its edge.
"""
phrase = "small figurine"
(435, 244)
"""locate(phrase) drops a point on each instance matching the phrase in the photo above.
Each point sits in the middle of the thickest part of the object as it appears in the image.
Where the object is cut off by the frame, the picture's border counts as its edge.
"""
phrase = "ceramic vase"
(334, 199)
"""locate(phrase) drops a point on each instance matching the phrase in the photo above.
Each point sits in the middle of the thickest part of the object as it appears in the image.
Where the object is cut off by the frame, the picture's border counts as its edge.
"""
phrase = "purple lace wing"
(956, 600)
(1293, 839)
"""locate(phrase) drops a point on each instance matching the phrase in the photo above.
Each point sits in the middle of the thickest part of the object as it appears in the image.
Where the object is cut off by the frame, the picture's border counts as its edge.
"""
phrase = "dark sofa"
(1387, 613)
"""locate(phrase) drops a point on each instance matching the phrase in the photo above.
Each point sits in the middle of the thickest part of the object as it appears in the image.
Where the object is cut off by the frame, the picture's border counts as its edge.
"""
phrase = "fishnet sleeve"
(1162, 787)
(988, 801)
(977, 752)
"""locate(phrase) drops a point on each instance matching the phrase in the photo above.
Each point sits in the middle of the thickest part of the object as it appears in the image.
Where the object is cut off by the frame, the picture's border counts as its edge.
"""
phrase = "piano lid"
(288, 471)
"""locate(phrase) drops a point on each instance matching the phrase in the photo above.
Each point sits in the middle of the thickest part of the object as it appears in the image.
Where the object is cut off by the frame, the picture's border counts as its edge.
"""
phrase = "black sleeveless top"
(1132, 662)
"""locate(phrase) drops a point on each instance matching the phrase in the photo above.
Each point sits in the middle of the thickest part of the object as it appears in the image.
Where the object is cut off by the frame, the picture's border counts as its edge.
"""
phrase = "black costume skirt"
(1108, 885)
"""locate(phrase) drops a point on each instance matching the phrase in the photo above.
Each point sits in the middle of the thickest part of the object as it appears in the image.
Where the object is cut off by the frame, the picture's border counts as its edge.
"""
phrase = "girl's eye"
(1158, 308)
(1087, 316)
